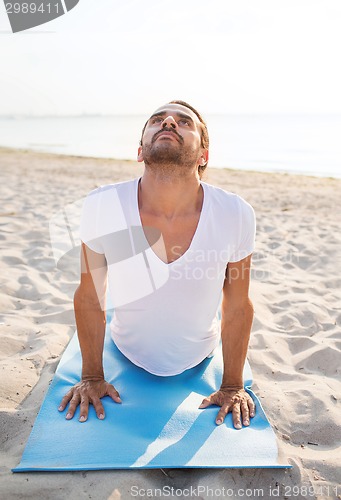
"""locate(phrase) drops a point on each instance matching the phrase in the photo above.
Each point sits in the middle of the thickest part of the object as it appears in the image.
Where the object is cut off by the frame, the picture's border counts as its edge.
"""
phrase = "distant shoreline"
(295, 144)
(4, 149)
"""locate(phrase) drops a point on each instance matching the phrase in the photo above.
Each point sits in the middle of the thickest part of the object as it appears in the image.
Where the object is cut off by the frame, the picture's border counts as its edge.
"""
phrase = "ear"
(139, 154)
(204, 157)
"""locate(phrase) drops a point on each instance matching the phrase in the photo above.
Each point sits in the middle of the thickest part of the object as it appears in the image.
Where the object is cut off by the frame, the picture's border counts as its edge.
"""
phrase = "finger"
(98, 408)
(222, 414)
(114, 394)
(84, 409)
(72, 406)
(245, 412)
(252, 407)
(65, 400)
(236, 416)
(206, 402)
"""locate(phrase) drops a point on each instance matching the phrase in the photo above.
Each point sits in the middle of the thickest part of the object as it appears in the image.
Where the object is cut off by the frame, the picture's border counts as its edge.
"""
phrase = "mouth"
(166, 135)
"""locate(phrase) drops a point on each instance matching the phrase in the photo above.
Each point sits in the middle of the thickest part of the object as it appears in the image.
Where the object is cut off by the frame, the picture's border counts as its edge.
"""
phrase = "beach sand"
(294, 349)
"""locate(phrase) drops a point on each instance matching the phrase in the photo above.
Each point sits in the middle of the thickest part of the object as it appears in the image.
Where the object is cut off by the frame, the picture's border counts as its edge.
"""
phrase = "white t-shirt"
(165, 315)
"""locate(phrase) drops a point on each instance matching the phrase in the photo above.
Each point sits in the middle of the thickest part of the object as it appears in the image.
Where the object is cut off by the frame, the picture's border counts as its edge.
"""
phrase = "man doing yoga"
(173, 250)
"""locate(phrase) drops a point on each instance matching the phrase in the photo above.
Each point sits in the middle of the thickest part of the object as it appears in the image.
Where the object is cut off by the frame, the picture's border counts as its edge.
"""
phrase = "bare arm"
(236, 322)
(89, 304)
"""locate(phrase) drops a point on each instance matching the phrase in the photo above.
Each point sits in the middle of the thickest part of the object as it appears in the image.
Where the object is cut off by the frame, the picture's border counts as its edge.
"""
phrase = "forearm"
(235, 333)
(91, 322)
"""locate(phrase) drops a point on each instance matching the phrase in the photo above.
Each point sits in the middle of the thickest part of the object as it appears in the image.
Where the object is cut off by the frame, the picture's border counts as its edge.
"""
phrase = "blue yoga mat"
(158, 425)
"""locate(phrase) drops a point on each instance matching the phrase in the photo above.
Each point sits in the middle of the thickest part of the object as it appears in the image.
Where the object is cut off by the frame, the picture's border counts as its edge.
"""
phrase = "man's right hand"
(88, 392)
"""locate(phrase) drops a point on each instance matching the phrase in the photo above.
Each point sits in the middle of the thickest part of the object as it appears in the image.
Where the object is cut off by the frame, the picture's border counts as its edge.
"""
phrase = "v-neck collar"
(195, 235)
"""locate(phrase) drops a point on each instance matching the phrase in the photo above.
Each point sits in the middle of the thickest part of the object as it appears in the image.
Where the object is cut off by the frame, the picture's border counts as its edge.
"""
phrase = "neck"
(170, 196)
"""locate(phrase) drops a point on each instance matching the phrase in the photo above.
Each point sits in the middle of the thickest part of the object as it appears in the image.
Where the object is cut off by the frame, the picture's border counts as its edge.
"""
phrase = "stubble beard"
(169, 160)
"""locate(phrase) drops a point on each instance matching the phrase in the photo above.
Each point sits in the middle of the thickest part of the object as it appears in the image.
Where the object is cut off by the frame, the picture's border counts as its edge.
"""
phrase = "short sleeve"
(89, 222)
(247, 231)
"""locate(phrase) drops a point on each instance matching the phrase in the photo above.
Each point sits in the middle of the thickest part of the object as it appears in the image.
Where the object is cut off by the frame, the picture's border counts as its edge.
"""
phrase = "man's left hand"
(237, 401)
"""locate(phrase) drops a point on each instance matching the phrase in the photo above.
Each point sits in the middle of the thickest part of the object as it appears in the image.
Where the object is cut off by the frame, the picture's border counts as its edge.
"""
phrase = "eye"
(183, 121)
(157, 119)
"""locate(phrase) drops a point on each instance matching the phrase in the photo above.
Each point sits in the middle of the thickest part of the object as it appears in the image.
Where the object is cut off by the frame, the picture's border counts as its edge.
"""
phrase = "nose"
(169, 122)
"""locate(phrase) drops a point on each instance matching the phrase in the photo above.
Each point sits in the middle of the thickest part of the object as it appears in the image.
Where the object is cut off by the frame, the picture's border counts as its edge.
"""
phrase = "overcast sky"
(130, 56)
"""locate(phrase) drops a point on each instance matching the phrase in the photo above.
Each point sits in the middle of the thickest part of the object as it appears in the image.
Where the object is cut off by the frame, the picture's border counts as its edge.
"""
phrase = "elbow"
(77, 297)
(246, 309)
(250, 307)
(241, 311)
(85, 299)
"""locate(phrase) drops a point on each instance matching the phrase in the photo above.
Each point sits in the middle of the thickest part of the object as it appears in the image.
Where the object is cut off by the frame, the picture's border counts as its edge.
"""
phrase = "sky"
(131, 56)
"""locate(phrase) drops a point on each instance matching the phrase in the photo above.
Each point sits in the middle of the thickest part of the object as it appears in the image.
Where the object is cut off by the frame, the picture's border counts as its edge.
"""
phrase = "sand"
(294, 349)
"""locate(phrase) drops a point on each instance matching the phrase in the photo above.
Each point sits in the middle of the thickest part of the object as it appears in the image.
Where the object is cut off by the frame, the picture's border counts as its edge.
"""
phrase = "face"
(172, 137)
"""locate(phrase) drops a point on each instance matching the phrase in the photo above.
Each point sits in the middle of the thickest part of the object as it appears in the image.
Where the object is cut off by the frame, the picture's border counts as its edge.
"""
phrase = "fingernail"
(60, 408)
(68, 415)
(252, 414)
(219, 421)
(246, 422)
(238, 426)
(82, 418)
(101, 416)
(119, 400)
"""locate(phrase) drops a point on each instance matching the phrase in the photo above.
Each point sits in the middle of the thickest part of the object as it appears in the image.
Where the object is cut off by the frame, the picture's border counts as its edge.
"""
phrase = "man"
(171, 247)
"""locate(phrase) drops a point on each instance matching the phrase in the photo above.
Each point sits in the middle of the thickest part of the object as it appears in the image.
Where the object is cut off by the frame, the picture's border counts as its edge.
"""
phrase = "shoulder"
(109, 188)
(103, 213)
(226, 199)
(110, 196)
